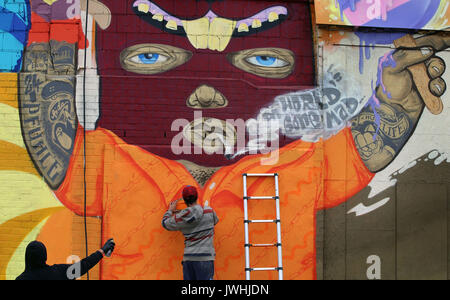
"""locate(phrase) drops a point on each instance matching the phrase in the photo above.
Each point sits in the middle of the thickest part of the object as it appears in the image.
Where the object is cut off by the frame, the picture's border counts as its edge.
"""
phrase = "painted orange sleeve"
(344, 172)
(71, 192)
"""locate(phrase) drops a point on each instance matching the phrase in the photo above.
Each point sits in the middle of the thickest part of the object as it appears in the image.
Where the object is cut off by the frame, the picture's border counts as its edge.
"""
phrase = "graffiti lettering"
(311, 114)
(34, 133)
(37, 58)
(396, 129)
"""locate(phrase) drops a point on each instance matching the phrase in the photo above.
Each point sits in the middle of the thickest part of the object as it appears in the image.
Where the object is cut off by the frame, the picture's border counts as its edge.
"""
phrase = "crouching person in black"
(36, 267)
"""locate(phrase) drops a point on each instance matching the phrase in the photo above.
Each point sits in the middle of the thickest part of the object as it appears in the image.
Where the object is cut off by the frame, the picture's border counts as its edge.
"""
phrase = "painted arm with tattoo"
(47, 107)
(383, 127)
(47, 98)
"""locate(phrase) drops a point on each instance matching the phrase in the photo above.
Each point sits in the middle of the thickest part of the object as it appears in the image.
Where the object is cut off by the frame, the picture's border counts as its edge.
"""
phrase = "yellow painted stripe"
(15, 158)
(14, 231)
(10, 125)
(22, 193)
(8, 89)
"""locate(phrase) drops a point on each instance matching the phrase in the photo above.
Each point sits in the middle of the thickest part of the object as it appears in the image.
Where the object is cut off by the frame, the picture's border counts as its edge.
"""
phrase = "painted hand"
(402, 87)
(409, 78)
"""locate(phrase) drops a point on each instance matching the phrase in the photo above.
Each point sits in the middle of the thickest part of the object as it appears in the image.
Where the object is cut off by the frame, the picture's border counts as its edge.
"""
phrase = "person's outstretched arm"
(80, 268)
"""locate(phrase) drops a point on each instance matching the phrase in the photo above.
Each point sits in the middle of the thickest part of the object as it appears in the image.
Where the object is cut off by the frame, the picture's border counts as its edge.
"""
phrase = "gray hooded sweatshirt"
(197, 225)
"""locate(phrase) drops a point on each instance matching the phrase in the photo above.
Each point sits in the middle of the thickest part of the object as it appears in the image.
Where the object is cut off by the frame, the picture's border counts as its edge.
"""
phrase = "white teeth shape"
(273, 16)
(158, 17)
(143, 8)
(172, 25)
(256, 23)
(212, 35)
(243, 27)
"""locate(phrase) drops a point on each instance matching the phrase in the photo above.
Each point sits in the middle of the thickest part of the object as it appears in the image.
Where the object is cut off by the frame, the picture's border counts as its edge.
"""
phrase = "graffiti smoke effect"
(263, 136)
(311, 114)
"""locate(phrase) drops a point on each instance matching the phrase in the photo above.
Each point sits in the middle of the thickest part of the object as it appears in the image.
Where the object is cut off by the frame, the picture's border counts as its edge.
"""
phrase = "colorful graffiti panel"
(406, 14)
(372, 234)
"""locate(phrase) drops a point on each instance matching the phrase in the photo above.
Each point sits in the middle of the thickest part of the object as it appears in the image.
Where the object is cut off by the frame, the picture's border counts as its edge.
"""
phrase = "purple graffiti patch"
(411, 14)
(344, 4)
(59, 10)
(385, 61)
(368, 40)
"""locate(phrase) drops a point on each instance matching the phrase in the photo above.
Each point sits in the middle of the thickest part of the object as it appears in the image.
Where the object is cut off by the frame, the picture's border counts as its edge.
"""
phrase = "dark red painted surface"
(141, 108)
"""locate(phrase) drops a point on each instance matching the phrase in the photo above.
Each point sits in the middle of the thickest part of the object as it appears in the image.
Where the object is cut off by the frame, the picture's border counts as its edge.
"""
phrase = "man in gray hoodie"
(197, 225)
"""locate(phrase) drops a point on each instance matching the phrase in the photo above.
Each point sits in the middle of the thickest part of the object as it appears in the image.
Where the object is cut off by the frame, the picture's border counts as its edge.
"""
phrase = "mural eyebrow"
(157, 17)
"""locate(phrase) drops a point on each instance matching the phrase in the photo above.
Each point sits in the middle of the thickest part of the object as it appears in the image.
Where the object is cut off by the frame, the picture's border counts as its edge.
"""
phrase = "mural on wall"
(168, 93)
(405, 14)
(401, 216)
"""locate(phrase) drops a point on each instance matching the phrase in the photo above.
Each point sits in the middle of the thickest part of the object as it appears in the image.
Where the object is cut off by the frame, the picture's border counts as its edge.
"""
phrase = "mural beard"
(140, 102)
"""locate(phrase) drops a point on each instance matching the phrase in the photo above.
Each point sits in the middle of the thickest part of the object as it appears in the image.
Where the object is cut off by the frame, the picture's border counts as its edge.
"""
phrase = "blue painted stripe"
(10, 22)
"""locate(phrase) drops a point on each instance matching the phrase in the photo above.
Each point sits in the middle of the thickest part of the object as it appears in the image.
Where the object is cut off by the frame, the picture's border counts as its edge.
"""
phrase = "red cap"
(189, 192)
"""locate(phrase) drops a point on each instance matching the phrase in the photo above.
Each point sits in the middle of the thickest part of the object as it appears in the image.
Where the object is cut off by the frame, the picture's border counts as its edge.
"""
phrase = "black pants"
(198, 270)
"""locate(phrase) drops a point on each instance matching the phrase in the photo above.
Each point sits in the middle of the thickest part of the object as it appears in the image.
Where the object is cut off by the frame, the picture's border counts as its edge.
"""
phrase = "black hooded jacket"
(36, 267)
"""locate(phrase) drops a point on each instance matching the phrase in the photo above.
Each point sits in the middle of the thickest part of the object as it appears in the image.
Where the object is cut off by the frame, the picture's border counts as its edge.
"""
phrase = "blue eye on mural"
(267, 61)
(148, 58)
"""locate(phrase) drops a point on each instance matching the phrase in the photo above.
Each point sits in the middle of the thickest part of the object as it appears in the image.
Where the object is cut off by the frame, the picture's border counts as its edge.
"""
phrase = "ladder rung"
(260, 174)
(261, 221)
(265, 269)
(263, 245)
(262, 198)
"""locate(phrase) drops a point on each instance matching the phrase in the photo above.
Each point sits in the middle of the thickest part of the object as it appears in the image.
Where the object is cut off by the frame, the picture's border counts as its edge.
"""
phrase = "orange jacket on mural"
(131, 188)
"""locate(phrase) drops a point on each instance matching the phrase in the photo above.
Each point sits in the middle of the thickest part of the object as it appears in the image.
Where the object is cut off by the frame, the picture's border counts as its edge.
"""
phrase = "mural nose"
(206, 96)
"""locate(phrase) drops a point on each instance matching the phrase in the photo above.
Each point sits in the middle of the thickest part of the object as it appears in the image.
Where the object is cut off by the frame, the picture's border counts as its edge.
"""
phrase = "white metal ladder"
(279, 268)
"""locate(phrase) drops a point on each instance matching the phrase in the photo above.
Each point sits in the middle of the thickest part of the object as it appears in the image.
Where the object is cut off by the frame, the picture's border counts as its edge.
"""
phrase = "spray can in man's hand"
(108, 247)
(110, 251)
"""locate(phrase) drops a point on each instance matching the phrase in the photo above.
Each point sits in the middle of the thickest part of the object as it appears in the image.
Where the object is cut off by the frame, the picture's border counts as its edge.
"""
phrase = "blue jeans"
(198, 270)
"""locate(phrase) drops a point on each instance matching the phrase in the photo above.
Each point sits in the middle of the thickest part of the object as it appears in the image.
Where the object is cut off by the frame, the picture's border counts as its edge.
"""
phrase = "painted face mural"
(228, 59)
(114, 117)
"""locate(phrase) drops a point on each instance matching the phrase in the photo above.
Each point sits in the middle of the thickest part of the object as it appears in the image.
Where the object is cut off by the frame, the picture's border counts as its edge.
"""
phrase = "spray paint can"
(108, 254)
